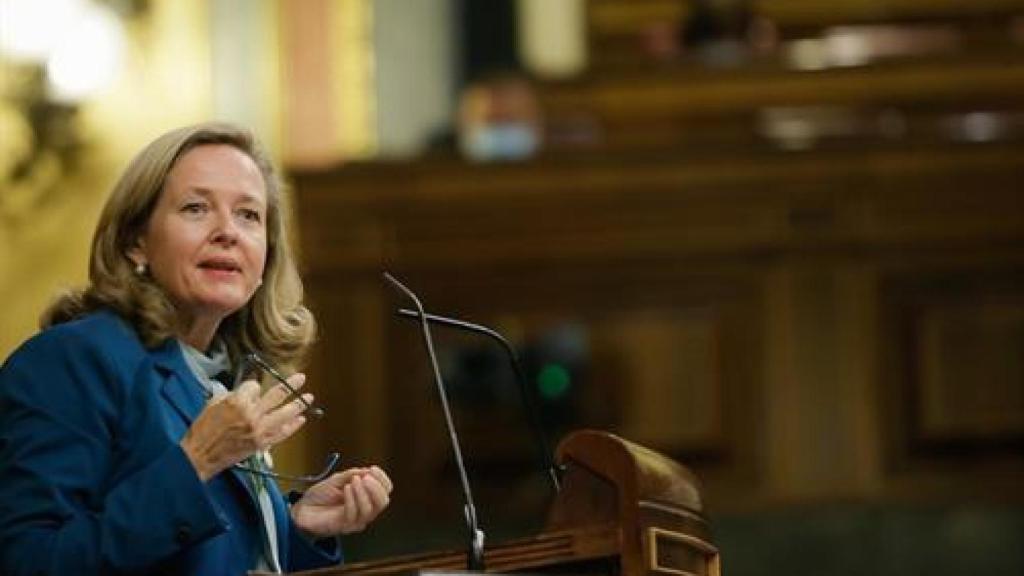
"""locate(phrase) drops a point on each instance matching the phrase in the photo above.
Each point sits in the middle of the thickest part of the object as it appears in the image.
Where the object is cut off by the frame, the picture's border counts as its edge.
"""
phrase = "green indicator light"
(553, 381)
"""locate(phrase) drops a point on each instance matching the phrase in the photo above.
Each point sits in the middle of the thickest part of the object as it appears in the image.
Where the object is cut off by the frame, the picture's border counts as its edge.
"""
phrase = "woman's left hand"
(343, 503)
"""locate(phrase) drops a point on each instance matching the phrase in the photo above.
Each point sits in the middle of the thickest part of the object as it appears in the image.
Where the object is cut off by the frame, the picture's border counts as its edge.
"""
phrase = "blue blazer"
(92, 479)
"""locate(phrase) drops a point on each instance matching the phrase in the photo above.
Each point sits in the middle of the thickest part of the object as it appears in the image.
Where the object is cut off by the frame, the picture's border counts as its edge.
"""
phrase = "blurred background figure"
(726, 32)
(718, 30)
(499, 119)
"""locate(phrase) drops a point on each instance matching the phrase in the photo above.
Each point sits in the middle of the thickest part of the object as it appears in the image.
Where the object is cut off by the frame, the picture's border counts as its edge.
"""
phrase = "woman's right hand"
(241, 423)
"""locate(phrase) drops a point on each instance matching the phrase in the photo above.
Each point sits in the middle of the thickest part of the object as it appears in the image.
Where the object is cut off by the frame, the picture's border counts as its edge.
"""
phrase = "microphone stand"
(540, 440)
(475, 557)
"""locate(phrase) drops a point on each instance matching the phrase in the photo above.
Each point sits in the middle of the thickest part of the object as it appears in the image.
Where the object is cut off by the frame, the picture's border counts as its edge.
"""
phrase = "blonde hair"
(274, 322)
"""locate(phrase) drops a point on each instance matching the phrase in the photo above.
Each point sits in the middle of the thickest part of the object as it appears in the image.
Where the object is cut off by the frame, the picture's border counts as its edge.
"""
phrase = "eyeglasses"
(245, 368)
(332, 462)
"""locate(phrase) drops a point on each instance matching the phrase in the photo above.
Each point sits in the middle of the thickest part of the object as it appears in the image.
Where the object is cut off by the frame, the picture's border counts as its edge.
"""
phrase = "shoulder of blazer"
(84, 371)
(106, 331)
(100, 339)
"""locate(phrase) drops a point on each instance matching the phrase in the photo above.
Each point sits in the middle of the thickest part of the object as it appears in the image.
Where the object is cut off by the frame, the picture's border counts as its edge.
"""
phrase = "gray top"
(206, 368)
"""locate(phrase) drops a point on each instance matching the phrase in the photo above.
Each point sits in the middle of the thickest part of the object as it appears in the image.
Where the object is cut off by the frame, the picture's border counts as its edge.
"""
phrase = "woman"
(119, 446)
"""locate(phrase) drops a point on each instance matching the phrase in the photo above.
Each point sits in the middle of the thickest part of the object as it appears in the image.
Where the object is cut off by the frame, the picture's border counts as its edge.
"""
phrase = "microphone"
(475, 558)
(540, 440)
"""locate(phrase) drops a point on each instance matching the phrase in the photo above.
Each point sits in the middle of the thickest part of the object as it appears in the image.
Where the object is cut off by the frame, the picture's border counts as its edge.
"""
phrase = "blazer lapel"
(184, 393)
(180, 388)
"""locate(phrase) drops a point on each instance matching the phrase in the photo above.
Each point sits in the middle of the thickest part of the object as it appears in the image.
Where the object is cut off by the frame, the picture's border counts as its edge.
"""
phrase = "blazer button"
(183, 533)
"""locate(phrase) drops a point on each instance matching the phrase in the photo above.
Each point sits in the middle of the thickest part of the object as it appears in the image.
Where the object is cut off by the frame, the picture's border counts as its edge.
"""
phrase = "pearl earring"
(140, 269)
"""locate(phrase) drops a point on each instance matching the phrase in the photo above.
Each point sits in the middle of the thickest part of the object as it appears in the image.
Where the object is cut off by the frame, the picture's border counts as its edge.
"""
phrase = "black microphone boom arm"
(540, 439)
(475, 558)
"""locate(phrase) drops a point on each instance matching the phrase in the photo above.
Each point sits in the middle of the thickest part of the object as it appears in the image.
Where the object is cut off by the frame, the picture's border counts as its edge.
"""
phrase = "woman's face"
(206, 241)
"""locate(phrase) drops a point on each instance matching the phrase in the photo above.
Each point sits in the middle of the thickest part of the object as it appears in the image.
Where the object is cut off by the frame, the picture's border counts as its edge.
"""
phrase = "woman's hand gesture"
(343, 503)
(237, 425)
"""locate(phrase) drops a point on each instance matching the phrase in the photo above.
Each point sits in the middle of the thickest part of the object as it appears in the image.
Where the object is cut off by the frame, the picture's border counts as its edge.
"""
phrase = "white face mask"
(500, 141)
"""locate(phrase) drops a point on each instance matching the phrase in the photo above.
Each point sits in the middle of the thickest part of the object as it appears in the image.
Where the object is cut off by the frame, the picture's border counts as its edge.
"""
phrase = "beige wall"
(44, 245)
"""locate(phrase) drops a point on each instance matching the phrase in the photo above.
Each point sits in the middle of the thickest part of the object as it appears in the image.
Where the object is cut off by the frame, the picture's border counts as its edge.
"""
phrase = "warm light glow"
(553, 36)
(808, 54)
(352, 77)
(848, 49)
(982, 126)
(30, 30)
(89, 57)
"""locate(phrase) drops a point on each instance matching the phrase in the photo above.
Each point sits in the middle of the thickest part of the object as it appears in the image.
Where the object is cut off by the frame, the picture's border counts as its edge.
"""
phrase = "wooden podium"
(623, 510)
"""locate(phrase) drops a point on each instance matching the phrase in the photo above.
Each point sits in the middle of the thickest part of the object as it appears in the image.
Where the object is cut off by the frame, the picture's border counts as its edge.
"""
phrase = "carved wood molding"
(451, 214)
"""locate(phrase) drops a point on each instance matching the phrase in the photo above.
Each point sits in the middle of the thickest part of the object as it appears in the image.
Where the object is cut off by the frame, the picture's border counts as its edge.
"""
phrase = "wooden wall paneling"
(610, 17)
(822, 432)
(346, 371)
(662, 207)
(988, 82)
(952, 380)
(625, 34)
(970, 380)
(710, 374)
(785, 278)
(810, 12)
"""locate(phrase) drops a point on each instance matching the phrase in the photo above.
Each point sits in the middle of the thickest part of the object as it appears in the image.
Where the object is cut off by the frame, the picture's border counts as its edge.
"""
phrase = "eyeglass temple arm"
(254, 358)
(332, 463)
